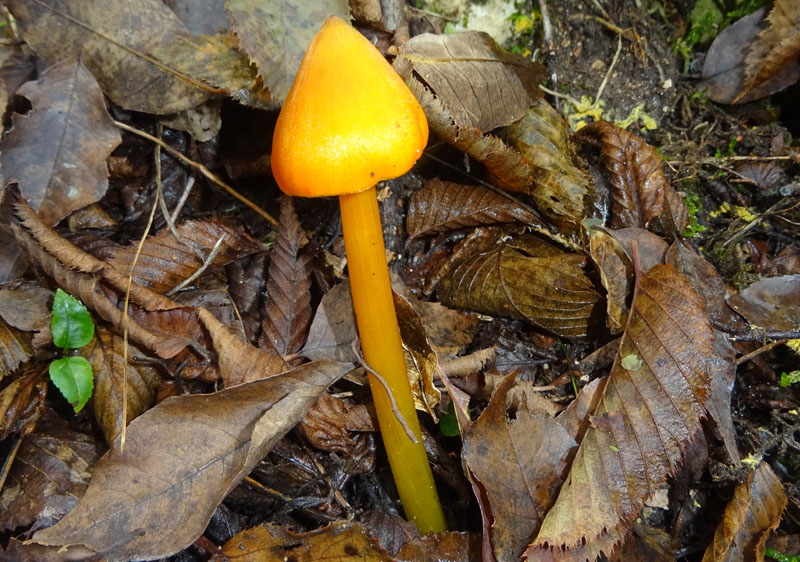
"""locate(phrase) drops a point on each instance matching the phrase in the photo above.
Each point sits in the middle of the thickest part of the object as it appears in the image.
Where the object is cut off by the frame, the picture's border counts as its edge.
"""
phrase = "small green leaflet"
(73, 377)
(788, 379)
(71, 325)
(448, 424)
(631, 362)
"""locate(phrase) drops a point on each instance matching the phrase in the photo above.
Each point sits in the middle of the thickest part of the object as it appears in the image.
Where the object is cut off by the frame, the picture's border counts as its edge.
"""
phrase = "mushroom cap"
(349, 120)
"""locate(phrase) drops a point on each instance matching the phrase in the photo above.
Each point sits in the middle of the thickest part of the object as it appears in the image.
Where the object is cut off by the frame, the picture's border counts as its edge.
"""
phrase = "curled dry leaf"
(441, 206)
(754, 511)
(49, 475)
(240, 362)
(276, 34)
(15, 348)
(519, 463)
(105, 355)
(22, 403)
(560, 189)
(288, 308)
(421, 359)
(57, 152)
(180, 460)
(551, 292)
(165, 261)
(649, 411)
(217, 61)
(116, 40)
(616, 274)
(639, 187)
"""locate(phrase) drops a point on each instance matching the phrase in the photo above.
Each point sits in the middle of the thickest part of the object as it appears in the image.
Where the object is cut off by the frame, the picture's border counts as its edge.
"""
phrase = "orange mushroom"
(348, 122)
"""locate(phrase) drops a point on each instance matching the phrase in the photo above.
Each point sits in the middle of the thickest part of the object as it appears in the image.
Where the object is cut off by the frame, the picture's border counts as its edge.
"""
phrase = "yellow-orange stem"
(383, 351)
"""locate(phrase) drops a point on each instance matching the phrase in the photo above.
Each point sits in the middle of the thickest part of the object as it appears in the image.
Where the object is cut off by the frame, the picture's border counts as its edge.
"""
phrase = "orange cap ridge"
(349, 120)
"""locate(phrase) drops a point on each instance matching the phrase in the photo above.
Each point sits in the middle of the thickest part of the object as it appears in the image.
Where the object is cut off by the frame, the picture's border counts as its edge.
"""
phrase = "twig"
(162, 204)
(12, 454)
(547, 27)
(380, 379)
(759, 351)
(212, 254)
(184, 196)
(203, 170)
(608, 72)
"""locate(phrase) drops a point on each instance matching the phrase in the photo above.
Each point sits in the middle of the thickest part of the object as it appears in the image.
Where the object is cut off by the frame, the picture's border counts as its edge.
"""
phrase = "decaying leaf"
(333, 329)
(276, 35)
(641, 426)
(551, 292)
(105, 355)
(561, 190)
(57, 152)
(217, 61)
(240, 362)
(165, 261)
(519, 463)
(639, 187)
(26, 308)
(770, 301)
(49, 475)
(288, 309)
(421, 359)
(441, 206)
(115, 40)
(776, 49)
(753, 512)
(180, 460)
(22, 403)
(15, 348)
(616, 274)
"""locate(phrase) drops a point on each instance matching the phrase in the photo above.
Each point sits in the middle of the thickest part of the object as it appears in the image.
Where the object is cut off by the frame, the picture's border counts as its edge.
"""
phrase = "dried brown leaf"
(288, 309)
(22, 403)
(105, 355)
(49, 475)
(240, 362)
(441, 206)
(616, 274)
(444, 547)
(57, 152)
(649, 411)
(115, 40)
(753, 512)
(519, 464)
(775, 48)
(421, 359)
(551, 292)
(15, 349)
(276, 34)
(560, 189)
(26, 308)
(181, 458)
(639, 187)
(165, 262)
(333, 329)
(339, 542)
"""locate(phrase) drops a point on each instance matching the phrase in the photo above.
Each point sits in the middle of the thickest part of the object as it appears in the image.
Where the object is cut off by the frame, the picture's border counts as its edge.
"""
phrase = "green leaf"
(448, 424)
(72, 326)
(788, 379)
(73, 377)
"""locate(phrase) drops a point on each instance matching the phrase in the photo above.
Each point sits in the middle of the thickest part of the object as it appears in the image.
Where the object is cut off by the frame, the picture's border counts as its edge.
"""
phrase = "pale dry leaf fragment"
(753, 512)
(276, 34)
(57, 152)
(181, 458)
(641, 426)
(115, 40)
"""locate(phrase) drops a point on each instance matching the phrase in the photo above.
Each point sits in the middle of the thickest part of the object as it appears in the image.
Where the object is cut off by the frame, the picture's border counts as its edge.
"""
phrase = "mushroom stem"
(383, 351)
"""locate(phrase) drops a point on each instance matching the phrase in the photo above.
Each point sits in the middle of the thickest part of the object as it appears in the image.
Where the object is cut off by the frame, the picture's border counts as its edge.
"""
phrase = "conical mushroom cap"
(349, 120)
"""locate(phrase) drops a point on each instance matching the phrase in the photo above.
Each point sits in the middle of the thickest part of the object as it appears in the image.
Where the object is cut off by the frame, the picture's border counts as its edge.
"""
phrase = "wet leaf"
(180, 460)
(288, 309)
(200, 16)
(441, 206)
(71, 326)
(519, 463)
(26, 308)
(560, 189)
(217, 61)
(165, 262)
(770, 301)
(49, 475)
(15, 349)
(22, 403)
(750, 516)
(641, 426)
(341, 541)
(616, 274)
(240, 362)
(73, 377)
(551, 292)
(57, 152)
(276, 35)
(444, 547)
(639, 187)
(115, 40)
(776, 48)
(105, 355)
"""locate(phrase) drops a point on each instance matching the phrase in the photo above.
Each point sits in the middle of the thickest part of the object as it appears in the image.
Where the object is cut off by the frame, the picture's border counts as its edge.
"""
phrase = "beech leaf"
(180, 460)
(642, 425)
(57, 152)
(115, 40)
(753, 512)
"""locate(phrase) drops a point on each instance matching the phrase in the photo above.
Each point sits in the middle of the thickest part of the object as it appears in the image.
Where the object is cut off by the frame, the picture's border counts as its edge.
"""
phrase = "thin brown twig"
(206, 263)
(203, 170)
(759, 351)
